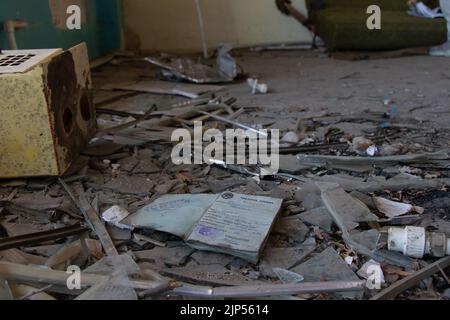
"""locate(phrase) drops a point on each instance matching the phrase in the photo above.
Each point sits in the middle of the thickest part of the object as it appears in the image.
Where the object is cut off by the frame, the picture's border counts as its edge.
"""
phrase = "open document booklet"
(229, 223)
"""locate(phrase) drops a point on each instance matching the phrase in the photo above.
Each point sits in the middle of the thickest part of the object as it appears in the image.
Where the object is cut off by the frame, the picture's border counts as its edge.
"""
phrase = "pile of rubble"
(345, 216)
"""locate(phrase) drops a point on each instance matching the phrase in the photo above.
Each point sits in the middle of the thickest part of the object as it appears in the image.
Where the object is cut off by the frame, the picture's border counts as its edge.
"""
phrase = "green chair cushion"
(391, 5)
(345, 29)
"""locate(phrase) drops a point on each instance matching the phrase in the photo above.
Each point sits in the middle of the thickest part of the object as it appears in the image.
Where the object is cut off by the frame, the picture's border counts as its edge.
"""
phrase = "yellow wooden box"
(47, 115)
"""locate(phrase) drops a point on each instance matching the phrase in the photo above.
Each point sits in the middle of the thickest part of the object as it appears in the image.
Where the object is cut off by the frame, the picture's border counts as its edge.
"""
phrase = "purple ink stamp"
(205, 231)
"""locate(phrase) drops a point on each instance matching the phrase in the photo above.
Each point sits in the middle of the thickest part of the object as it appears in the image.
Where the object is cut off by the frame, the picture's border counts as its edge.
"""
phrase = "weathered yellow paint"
(47, 115)
(26, 143)
(173, 24)
(68, 146)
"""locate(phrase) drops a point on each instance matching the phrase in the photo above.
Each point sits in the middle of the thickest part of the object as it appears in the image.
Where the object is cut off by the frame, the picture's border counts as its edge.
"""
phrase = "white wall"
(172, 25)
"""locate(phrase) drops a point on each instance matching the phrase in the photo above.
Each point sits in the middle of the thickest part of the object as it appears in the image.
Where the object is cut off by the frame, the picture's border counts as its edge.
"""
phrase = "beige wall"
(172, 25)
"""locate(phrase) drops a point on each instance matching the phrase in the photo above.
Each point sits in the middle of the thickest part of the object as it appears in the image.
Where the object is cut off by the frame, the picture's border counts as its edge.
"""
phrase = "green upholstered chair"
(342, 26)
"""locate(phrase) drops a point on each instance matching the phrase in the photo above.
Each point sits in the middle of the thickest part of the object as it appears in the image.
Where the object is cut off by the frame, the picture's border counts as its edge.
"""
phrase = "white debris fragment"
(371, 269)
(372, 150)
(394, 209)
(349, 260)
(267, 171)
(364, 146)
(306, 141)
(114, 215)
(291, 137)
(257, 87)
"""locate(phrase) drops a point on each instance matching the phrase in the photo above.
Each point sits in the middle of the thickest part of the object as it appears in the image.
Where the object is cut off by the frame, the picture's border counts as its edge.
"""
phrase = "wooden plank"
(99, 228)
(406, 283)
(23, 273)
(31, 274)
(20, 291)
(93, 220)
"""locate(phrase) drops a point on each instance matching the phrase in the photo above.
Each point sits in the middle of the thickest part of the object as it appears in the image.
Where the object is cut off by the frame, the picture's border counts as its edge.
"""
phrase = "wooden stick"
(22, 273)
(92, 220)
(394, 290)
(99, 228)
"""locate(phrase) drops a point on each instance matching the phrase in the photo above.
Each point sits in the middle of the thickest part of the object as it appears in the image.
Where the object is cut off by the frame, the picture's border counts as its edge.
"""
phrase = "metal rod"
(10, 27)
(269, 290)
(40, 237)
(202, 29)
(237, 124)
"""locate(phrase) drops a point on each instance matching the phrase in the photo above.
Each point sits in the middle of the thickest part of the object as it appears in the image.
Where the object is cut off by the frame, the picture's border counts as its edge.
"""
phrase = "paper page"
(174, 214)
(237, 222)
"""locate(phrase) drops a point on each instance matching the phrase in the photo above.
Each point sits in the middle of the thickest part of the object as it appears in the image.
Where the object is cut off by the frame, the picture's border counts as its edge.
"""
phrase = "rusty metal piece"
(48, 115)
(40, 237)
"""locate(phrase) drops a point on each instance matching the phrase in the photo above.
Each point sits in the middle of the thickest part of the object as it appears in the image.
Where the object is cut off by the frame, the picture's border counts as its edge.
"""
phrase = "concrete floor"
(313, 81)
(306, 79)
(302, 84)
(309, 83)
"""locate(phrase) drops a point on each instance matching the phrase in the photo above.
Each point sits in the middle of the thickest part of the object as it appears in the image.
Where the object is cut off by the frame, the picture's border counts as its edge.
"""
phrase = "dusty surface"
(396, 102)
(303, 84)
(419, 86)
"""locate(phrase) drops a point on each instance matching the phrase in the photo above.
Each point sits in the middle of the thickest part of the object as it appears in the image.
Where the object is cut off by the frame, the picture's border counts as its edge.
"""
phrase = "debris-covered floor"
(364, 148)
